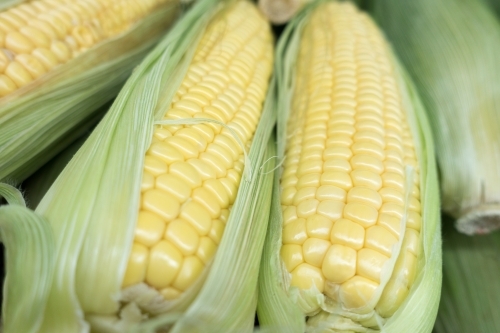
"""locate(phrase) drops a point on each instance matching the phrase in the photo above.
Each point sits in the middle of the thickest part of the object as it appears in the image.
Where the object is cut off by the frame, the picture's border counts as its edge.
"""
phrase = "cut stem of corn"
(281, 11)
(451, 50)
(358, 188)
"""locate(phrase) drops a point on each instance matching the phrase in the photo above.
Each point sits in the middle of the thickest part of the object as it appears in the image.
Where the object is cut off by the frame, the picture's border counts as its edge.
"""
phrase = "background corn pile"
(237, 166)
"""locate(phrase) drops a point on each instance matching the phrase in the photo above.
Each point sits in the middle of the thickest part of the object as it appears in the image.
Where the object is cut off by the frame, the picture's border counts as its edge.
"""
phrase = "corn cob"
(449, 49)
(191, 174)
(60, 61)
(158, 191)
(353, 202)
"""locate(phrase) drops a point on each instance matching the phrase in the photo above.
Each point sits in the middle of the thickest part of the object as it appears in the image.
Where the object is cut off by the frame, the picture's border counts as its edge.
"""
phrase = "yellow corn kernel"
(18, 74)
(31, 64)
(344, 187)
(55, 33)
(192, 172)
(6, 85)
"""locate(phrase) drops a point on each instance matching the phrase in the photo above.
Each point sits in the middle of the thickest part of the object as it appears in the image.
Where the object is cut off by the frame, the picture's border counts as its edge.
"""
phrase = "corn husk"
(29, 263)
(495, 5)
(471, 292)
(280, 306)
(92, 209)
(451, 50)
(40, 119)
(35, 187)
(6, 4)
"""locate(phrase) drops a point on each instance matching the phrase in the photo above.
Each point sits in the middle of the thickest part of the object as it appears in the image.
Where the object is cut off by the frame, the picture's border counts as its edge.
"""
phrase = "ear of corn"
(449, 47)
(180, 153)
(354, 241)
(59, 63)
(471, 293)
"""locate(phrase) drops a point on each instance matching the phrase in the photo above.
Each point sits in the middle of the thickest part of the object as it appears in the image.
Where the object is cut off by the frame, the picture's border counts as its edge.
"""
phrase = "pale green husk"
(35, 187)
(43, 117)
(92, 210)
(451, 50)
(471, 292)
(29, 261)
(5, 4)
(277, 308)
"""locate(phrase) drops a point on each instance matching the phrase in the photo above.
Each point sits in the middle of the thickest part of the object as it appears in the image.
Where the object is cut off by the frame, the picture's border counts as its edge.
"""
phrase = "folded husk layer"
(451, 50)
(40, 119)
(276, 310)
(35, 186)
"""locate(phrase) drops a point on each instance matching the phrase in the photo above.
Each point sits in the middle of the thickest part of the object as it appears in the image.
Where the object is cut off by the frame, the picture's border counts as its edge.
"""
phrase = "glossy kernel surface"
(39, 35)
(344, 184)
(192, 172)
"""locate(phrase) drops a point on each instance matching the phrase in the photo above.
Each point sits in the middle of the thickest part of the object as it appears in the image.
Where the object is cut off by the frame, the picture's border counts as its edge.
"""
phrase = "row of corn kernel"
(39, 35)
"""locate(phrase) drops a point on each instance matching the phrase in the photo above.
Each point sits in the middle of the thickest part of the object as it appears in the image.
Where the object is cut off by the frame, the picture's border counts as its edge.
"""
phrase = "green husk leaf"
(29, 249)
(34, 118)
(35, 187)
(471, 293)
(5, 4)
(39, 183)
(12, 195)
(451, 50)
(276, 309)
(92, 209)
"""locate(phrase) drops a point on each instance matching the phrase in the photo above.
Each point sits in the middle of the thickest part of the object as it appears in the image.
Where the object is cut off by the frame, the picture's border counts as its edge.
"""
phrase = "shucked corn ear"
(354, 233)
(451, 50)
(164, 191)
(192, 173)
(471, 293)
(59, 62)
